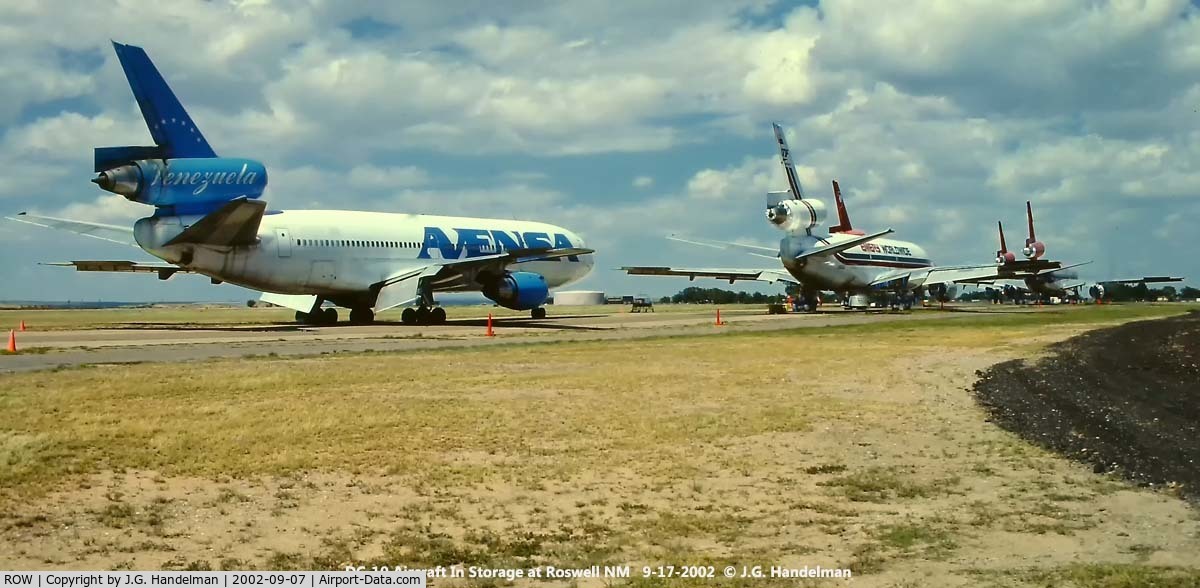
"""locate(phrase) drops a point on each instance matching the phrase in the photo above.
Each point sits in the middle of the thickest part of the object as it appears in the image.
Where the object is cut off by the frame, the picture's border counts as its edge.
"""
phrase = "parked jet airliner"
(209, 219)
(846, 261)
(1062, 282)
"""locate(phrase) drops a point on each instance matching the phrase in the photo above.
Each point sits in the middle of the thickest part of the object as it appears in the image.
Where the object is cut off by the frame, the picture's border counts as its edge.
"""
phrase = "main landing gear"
(318, 317)
(901, 301)
(538, 313)
(423, 315)
(809, 301)
(362, 315)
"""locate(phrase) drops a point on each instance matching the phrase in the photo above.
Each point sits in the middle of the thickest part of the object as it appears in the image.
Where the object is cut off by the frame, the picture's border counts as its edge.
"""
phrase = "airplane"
(209, 219)
(847, 261)
(1061, 282)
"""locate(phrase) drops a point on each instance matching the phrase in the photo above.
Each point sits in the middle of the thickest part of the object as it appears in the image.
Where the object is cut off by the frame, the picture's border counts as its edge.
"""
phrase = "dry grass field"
(855, 447)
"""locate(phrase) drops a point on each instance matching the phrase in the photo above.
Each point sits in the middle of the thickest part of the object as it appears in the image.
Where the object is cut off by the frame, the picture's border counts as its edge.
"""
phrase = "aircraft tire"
(362, 316)
(538, 313)
(329, 316)
(423, 315)
(409, 316)
(437, 316)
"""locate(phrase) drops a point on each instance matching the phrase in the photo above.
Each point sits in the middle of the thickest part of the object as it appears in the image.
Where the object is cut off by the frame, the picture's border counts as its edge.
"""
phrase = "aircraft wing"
(759, 250)
(235, 223)
(402, 287)
(110, 233)
(732, 274)
(1143, 280)
(164, 270)
(927, 276)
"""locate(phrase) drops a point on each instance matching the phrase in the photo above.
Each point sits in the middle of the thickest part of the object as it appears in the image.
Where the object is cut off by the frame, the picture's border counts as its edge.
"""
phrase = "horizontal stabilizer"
(107, 158)
(1029, 267)
(110, 233)
(843, 245)
(164, 270)
(235, 223)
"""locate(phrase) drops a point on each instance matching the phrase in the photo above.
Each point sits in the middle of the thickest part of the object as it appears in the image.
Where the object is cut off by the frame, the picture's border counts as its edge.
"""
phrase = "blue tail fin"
(169, 124)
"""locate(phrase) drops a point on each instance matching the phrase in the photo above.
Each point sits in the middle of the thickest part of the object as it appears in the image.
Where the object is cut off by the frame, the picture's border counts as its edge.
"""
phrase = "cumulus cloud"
(937, 118)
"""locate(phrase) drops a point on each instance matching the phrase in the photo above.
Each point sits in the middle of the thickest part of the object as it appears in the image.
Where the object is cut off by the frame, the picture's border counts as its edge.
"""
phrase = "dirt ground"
(1125, 399)
(826, 448)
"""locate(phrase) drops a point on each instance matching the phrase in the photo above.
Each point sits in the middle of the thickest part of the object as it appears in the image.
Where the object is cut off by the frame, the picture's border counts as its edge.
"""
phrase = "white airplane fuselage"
(337, 253)
(853, 269)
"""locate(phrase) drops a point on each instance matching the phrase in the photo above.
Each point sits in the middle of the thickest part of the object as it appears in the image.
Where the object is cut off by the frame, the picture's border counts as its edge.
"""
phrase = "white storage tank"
(578, 298)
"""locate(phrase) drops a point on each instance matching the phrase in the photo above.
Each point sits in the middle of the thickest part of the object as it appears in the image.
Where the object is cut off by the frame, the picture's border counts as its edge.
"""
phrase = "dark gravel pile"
(1123, 399)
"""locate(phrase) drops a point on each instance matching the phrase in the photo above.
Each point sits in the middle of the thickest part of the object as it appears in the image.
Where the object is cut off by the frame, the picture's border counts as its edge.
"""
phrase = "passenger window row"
(357, 243)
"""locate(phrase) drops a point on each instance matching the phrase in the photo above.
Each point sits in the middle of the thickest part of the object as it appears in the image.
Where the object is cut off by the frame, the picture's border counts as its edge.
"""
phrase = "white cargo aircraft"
(847, 261)
(208, 219)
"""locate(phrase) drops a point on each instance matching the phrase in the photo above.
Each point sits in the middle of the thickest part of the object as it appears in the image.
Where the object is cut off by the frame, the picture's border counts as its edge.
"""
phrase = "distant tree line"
(697, 295)
(1115, 292)
(1125, 293)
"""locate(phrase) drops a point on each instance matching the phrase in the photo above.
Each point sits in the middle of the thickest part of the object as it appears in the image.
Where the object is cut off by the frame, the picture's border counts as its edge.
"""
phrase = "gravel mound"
(1123, 399)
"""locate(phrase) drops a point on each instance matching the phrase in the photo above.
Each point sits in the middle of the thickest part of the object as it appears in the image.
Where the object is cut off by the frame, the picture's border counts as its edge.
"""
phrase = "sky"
(629, 121)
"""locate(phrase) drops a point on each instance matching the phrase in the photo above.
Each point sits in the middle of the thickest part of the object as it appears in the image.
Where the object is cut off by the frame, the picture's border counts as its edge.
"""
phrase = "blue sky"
(629, 121)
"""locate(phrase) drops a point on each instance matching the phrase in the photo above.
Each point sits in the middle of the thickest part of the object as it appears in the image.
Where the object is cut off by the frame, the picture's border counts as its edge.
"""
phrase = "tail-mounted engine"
(796, 216)
(517, 290)
(1033, 248)
(1003, 256)
(186, 184)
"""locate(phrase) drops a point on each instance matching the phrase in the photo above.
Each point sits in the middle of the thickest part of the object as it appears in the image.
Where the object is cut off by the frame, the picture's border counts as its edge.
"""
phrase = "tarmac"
(141, 344)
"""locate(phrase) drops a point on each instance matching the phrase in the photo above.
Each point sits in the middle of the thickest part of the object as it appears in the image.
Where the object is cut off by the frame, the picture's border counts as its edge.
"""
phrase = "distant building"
(578, 298)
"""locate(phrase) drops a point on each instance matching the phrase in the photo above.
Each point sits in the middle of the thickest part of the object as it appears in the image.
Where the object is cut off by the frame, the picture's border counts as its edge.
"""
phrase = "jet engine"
(517, 290)
(1096, 291)
(942, 292)
(1034, 249)
(185, 183)
(797, 215)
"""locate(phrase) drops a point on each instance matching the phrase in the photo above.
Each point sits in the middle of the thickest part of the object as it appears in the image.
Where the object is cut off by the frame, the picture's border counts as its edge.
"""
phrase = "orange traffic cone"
(719, 322)
(490, 332)
(22, 326)
(12, 341)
